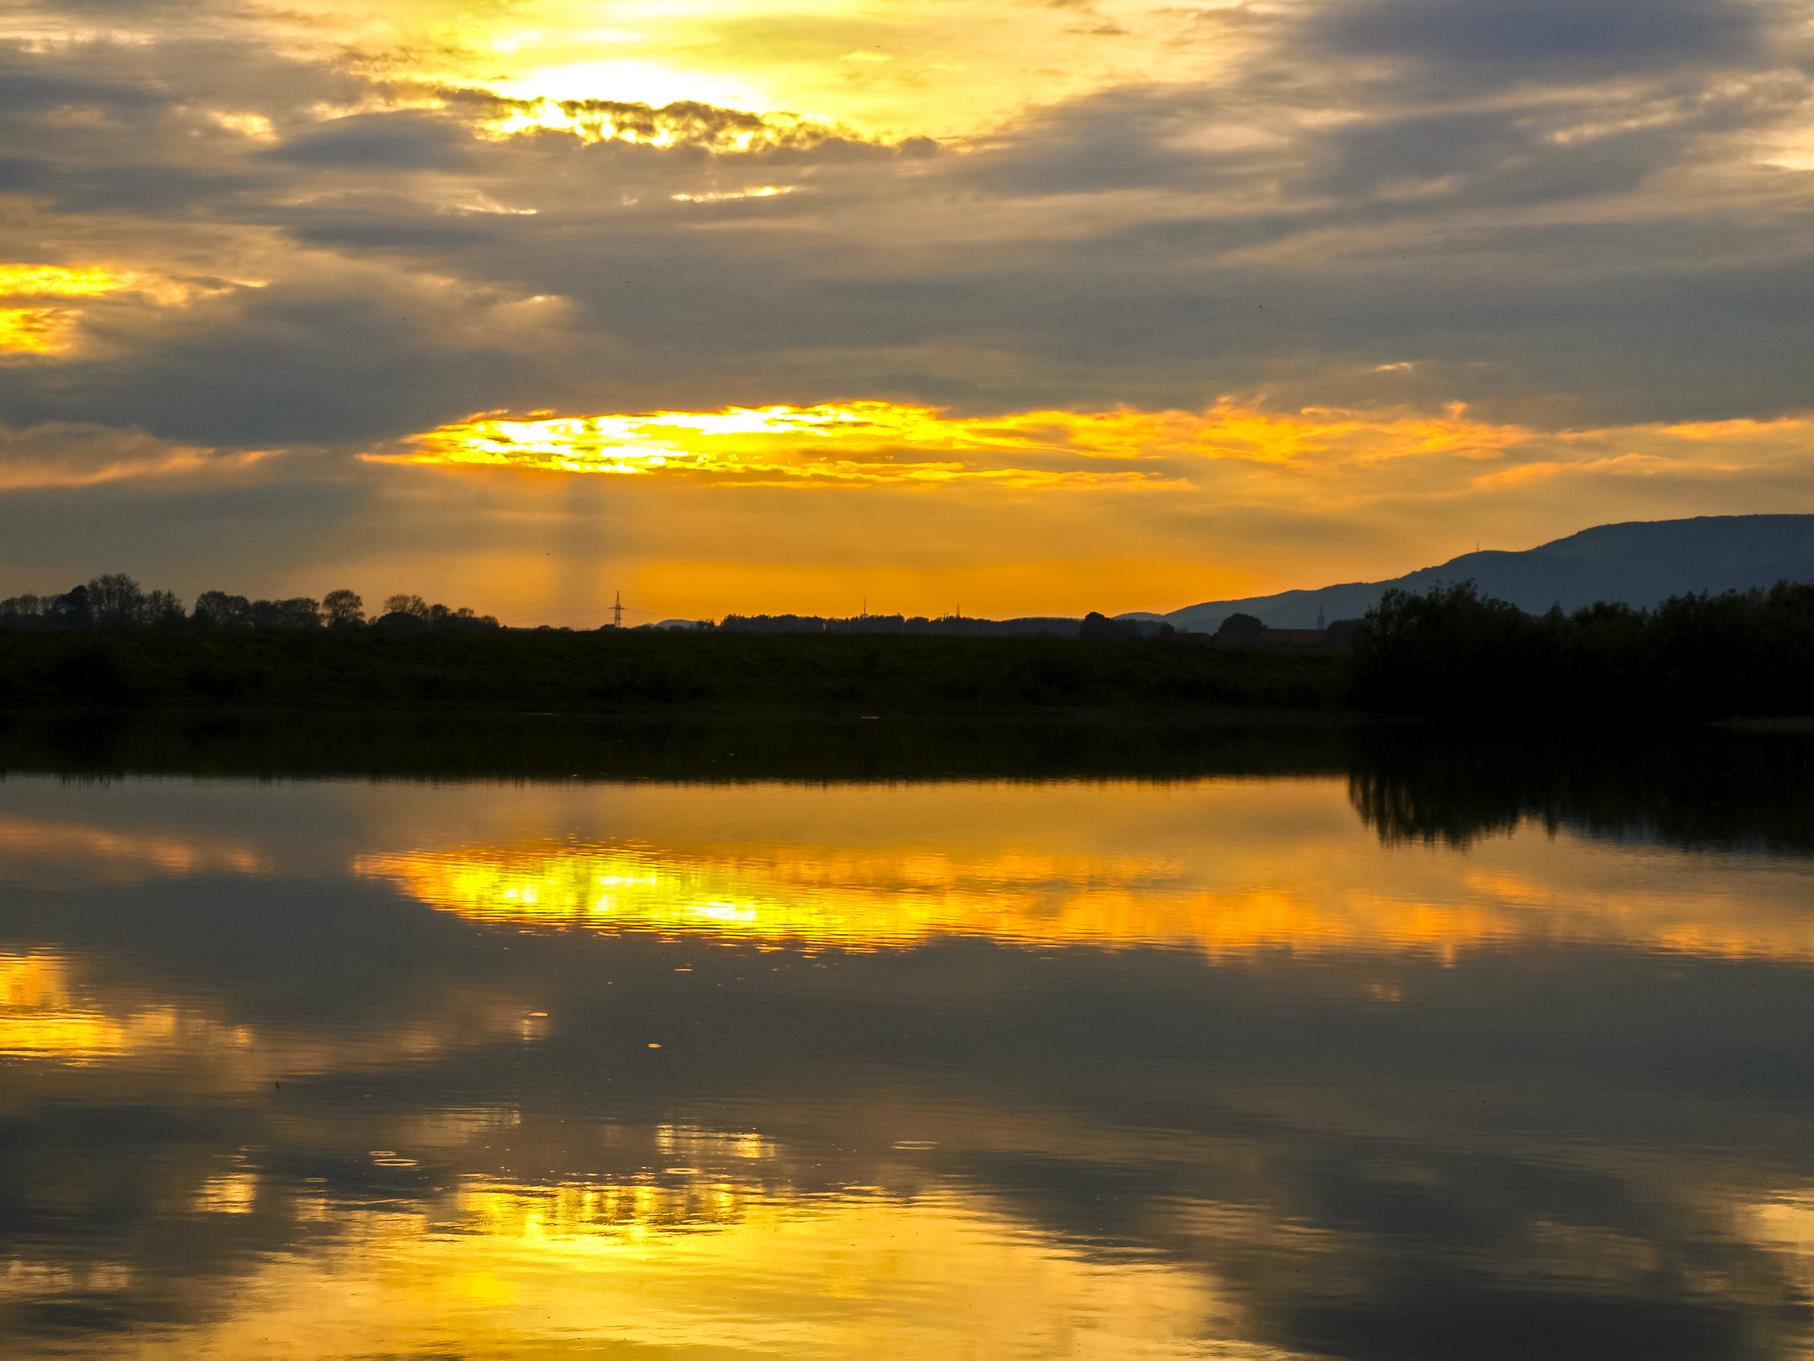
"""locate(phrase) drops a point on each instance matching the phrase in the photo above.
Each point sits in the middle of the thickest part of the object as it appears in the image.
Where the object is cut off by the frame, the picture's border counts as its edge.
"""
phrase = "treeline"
(1453, 653)
(945, 626)
(615, 670)
(116, 601)
(1450, 654)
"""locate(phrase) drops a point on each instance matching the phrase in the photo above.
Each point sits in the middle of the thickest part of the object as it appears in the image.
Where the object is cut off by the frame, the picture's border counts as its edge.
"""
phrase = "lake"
(1382, 1049)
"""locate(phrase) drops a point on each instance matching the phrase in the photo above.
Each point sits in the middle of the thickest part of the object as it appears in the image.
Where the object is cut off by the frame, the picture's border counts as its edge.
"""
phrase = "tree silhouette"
(1241, 628)
(71, 609)
(162, 609)
(344, 609)
(115, 601)
(1456, 653)
(298, 612)
(406, 604)
(217, 609)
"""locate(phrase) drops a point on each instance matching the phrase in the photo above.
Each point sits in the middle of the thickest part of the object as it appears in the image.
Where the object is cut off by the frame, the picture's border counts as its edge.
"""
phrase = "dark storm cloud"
(1545, 40)
(405, 140)
(147, 189)
(302, 363)
(1121, 139)
(20, 174)
(26, 87)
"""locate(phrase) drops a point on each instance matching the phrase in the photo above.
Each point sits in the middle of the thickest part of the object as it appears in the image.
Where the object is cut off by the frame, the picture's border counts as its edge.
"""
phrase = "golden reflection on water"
(1222, 867)
(863, 903)
(705, 1269)
(44, 1016)
(577, 1204)
(44, 850)
(50, 1014)
(1784, 1224)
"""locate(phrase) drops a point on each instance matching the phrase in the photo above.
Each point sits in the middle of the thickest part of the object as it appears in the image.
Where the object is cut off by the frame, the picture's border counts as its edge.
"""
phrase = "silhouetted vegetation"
(1451, 654)
(670, 747)
(1096, 625)
(116, 602)
(1454, 654)
(423, 667)
(1093, 625)
(1703, 788)
(1241, 628)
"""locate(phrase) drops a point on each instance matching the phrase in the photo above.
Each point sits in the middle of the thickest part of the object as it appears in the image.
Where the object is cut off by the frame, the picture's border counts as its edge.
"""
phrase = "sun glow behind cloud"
(876, 441)
(650, 123)
(939, 68)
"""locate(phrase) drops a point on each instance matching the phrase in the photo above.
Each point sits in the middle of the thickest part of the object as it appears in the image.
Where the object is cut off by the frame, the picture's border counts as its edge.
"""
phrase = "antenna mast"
(617, 612)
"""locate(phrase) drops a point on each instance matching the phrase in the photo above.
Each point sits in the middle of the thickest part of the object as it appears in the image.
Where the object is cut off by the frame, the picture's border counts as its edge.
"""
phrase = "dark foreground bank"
(508, 670)
(1451, 654)
(1411, 781)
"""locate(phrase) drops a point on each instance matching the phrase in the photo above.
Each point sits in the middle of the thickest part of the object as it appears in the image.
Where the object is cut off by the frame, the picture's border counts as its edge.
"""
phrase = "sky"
(1037, 306)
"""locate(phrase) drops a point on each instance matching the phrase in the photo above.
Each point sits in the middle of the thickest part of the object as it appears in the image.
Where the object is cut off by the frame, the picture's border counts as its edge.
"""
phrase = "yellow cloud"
(41, 330)
(28, 326)
(59, 281)
(35, 330)
(760, 191)
(877, 441)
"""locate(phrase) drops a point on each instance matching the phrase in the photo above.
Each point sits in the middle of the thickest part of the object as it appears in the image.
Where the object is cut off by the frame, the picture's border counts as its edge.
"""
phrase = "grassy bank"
(508, 671)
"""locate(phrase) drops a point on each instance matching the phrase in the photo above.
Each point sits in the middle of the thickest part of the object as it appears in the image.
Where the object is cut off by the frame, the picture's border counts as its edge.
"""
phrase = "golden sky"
(1036, 307)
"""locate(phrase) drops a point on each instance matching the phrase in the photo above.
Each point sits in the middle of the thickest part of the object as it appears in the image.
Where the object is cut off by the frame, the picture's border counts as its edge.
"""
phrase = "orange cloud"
(65, 454)
(877, 441)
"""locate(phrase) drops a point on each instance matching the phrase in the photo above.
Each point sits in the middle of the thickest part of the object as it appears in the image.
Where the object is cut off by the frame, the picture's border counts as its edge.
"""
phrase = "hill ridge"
(1639, 562)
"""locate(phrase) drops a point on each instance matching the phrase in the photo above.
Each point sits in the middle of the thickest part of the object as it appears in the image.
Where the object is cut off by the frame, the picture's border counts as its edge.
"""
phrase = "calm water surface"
(1209, 1067)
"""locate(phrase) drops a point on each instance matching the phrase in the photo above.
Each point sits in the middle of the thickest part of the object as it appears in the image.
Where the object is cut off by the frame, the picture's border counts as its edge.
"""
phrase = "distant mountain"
(1640, 563)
